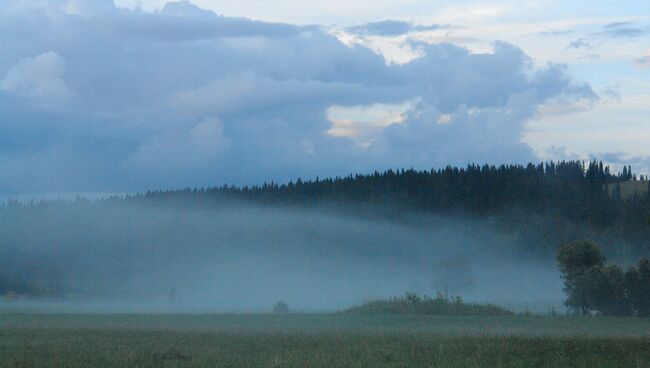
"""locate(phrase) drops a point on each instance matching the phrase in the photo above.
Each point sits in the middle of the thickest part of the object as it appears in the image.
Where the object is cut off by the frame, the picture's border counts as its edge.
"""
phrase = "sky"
(99, 96)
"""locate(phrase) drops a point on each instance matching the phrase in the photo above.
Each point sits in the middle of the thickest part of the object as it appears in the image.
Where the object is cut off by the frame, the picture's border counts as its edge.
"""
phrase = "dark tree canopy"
(638, 287)
(577, 256)
(591, 286)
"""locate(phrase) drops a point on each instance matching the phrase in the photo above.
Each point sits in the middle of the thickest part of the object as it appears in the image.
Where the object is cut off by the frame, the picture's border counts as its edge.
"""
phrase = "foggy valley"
(283, 183)
(244, 257)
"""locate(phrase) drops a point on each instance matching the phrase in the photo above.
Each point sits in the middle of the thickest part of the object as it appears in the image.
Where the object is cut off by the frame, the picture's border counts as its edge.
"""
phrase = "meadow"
(320, 340)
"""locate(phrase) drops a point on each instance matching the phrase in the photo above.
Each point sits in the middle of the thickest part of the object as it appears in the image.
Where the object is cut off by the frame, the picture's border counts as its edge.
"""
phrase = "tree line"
(534, 207)
(553, 202)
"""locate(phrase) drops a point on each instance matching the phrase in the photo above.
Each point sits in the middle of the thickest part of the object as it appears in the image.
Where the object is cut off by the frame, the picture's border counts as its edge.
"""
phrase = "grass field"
(336, 340)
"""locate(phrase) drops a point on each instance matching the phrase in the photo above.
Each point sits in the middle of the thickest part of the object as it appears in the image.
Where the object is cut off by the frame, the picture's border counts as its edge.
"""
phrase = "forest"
(526, 212)
(554, 202)
(571, 192)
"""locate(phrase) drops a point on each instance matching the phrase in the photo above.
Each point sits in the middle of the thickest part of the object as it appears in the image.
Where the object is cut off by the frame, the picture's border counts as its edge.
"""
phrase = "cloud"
(183, 21)
(39, 77)
(184, 97)
(618, 31)
(182, 150)
(246, 92)
(640, 164)
(623, 30)
(559, 32)
(590, 57)
(580, 43)
(390, 28)
(643, 61)
(561, 154)
(364, 123)
(612, 92)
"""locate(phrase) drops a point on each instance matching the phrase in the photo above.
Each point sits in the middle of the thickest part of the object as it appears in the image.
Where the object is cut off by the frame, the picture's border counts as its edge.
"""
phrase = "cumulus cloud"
(39, 77)
(182, 150)
(363, 124)
(184, 97)
(183, 21)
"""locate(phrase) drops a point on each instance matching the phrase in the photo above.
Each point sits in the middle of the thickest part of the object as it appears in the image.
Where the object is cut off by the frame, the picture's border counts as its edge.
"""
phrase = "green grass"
(336, 340)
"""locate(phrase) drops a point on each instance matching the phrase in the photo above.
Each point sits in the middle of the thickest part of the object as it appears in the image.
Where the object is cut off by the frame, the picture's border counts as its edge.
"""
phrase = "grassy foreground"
(48, 340)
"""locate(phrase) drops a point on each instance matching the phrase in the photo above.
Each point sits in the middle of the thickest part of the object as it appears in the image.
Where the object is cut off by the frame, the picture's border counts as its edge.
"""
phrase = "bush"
(412, 303)
(281, 308)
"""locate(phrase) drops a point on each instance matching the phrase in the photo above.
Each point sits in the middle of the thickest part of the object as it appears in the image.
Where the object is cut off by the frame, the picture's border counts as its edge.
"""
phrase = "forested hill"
(586, 193)
(552, 202)
(525, 212)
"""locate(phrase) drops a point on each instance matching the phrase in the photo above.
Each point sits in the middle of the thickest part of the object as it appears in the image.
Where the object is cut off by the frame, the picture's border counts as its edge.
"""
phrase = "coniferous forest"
(541, 205)
(559, 201)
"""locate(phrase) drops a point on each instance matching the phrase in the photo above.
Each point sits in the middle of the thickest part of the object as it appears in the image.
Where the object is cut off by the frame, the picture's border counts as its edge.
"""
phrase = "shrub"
(413, 303)
(280, 308)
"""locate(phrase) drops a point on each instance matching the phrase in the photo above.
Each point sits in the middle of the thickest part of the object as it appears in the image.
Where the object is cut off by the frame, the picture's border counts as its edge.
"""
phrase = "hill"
(413, 304)
(402, 220)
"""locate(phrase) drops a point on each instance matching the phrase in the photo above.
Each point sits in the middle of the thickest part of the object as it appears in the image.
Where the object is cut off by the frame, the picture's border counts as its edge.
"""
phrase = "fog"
(241, 257)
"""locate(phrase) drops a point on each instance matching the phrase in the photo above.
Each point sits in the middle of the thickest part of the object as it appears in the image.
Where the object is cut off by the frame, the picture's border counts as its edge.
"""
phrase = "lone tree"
(280, 308)
(580, 263)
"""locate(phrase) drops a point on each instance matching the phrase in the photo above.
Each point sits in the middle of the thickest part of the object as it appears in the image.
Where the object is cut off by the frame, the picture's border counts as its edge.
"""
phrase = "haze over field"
(99, 97)
(487, 233)
(246, 257)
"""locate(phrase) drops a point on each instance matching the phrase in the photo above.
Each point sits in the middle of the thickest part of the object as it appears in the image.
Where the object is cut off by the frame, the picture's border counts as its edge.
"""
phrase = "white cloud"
(39, 77)
(281, 101)
(608, 126)
(363, 124)
(181, 149)
(445, 118)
